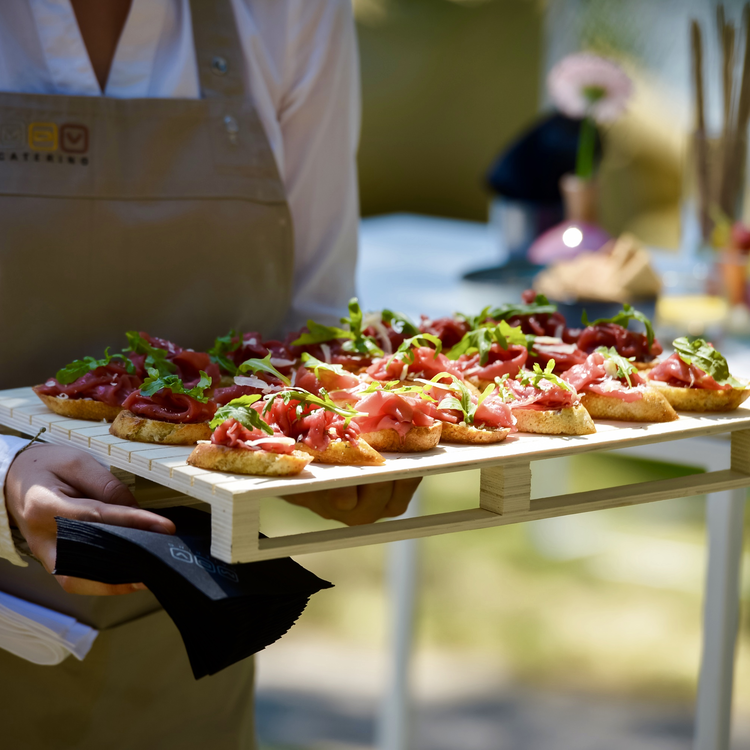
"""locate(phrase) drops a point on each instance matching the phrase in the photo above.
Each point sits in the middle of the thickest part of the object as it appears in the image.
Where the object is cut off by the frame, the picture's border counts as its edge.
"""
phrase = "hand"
(51, 480)
(357, 505)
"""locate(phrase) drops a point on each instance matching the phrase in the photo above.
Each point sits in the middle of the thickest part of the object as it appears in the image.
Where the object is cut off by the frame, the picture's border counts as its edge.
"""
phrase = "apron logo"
(74, 138)
(12, 135)
(43, 136)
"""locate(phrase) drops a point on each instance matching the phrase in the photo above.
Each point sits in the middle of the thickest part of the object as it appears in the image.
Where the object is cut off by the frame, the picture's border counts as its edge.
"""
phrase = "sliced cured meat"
(232, 434)
(166, 406)
(676, 372)
(426, 363)
(111, 384)
(565, 355)
(382, 410)
(546, 396)
(500, 362)
(449, 330)
(599, 375)
(627, 343)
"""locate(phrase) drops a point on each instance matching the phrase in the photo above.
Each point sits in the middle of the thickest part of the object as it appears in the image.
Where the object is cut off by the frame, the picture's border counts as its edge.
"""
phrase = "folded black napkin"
(223, 612)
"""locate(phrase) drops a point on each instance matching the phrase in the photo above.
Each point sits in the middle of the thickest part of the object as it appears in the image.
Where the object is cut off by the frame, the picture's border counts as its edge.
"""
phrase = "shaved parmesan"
(326, 353)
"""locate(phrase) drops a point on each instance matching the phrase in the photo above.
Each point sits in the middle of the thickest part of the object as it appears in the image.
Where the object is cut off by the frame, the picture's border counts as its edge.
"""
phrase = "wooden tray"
(505, 485)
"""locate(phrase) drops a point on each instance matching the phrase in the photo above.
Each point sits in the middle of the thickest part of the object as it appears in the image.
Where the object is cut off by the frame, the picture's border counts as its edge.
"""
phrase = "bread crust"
(653, 407)
(129, 426)
(239, 461)
(469, 435)
(416, 440)
(79, 408)
(645, 366)
(345, 453)
(701, 399)
(572, 420)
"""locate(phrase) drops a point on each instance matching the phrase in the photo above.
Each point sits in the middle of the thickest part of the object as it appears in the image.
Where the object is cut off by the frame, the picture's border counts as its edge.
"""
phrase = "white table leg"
(725, 513)
(393, 727)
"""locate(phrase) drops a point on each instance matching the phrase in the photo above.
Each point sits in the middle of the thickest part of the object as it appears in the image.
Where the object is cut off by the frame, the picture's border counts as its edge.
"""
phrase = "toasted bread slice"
(130, 426)
(645, 366)
(701, 399)
(456, 433)
(345, 453)
(238, 461)
(653, 407)
(572, 420)
(416, 440)
(80, 408)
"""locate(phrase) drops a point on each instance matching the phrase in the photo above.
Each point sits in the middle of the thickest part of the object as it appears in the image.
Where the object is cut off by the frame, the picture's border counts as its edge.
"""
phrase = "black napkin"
(223, 612)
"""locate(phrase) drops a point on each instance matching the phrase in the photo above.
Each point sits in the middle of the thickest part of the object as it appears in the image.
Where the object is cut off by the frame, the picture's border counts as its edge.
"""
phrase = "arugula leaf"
(474, 321)
(263, 365)
(316, 365)
(462, 399)
(79, 367)
(241, 410)
(223, 345)
(701, 354)
(481, 340)
(305, 398)
(506, 393)
(534, 377)
(625, 366)
(319, 334)
(156, 381)
(400, 323)
(622, 318)
(405, 351)
(541, 305)
(354, 340)
(398, 388)
(155, 358)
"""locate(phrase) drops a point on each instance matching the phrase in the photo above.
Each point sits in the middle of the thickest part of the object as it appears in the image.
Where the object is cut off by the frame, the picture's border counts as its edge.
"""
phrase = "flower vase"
(579, 232)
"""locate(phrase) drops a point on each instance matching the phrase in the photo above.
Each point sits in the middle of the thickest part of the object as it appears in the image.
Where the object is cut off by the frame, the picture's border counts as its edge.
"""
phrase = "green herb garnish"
(704, 356)
(316, 365)
(481, 340)
(540, 306)
(461, 399)
(305, 398)
(405, 351)
(625, 366)
(80, 367)
(535, 376)
(155, 382)
(399, 323)
(223, 345)
(263, 365)
(156, 358)
(240, 409)
(622, 318)
(398, 388)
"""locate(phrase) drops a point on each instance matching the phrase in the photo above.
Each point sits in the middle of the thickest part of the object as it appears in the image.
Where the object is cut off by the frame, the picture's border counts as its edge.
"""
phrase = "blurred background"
(581, 632)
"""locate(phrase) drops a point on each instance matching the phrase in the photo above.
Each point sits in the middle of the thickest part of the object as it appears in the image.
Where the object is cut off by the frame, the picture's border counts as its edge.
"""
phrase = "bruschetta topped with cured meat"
(544, 403)
(641, 348)
(242, 442)
(697, 378)
(165, 410)
(611, 387)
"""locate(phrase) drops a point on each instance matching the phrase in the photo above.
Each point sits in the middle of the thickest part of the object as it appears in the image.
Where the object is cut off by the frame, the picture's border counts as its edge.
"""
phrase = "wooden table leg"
(234, 529)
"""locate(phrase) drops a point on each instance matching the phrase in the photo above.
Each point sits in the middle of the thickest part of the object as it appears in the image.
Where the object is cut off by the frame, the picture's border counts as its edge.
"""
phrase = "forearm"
(9, 447)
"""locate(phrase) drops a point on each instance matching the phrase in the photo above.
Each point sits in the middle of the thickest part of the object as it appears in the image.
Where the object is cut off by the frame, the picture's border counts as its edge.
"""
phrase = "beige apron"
(164, 215)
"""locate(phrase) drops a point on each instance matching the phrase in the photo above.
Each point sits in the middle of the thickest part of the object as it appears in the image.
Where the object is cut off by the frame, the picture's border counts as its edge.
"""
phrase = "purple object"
(565, 241)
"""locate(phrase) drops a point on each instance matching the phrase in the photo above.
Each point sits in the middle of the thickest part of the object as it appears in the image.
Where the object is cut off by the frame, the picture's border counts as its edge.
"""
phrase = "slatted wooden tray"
(505, 488)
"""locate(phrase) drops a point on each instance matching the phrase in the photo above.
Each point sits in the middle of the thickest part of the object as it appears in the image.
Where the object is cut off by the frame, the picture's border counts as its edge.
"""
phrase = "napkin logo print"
(43, 136)
(12, 135)
(74, 138)
(205, 563)
(227, 573)
(181, 554)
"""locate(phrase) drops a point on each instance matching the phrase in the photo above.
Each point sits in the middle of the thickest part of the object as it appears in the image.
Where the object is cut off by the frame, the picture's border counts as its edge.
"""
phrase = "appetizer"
(92, 388)
(697, 378)
(543, 403)
(611, 388)
(642, 349)
(243, 443)
(419, 356)
(163, 410)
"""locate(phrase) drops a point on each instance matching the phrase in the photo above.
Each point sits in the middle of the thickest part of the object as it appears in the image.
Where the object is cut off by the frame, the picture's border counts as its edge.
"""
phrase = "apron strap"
(218, 49)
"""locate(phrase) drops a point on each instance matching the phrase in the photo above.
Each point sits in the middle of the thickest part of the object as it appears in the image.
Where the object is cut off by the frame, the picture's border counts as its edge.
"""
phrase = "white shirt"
(303, 76)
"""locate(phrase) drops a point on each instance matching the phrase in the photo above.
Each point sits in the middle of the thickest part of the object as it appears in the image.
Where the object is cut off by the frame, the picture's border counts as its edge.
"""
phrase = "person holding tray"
(155, 156)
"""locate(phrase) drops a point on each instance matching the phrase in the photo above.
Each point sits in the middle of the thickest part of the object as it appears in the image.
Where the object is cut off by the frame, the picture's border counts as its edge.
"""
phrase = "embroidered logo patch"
(74, 138)
(43, 136)
(12, 135)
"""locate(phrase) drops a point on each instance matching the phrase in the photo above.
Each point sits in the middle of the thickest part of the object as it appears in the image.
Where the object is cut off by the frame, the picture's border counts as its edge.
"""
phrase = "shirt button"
(219, 66)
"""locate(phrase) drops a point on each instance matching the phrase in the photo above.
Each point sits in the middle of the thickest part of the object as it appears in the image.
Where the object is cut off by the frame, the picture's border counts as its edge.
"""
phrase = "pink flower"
(588, 85)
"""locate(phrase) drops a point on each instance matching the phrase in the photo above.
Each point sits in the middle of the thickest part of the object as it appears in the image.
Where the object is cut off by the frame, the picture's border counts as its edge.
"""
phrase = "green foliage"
(79, 367)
